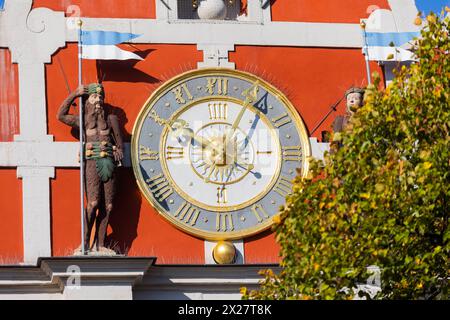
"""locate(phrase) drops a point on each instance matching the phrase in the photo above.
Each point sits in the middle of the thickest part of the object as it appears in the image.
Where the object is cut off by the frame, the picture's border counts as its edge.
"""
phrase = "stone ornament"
(212, 10)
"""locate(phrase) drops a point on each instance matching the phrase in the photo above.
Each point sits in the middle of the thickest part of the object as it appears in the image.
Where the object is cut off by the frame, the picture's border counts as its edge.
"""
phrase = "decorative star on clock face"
(215, 162)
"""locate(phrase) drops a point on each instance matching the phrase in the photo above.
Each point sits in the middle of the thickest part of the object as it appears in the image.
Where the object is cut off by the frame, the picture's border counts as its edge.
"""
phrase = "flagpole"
(366, 51)
(80, 82)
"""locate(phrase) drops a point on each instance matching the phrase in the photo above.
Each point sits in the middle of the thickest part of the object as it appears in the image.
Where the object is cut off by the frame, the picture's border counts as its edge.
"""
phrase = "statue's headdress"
(355, 90)
(96, 88)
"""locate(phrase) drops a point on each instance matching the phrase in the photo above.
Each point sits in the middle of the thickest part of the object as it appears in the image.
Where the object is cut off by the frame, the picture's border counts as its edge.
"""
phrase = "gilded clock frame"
(212, 72)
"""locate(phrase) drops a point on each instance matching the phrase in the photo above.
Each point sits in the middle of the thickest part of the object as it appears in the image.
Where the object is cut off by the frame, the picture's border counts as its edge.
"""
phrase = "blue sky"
(425, 6)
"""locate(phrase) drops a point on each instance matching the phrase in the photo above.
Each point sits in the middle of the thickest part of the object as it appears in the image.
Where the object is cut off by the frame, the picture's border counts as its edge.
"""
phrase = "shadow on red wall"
(125, 216)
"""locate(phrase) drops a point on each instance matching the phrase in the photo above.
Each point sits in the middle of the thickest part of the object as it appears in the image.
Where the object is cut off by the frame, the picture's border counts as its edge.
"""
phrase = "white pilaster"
(36, 212)
(266, 11)
(318, 148)
(33, 36)
(216, 56)
(32, 107)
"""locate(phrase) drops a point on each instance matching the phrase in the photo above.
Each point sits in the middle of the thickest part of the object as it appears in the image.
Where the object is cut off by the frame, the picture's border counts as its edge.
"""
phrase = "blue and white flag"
(101, 45)
(382, 46)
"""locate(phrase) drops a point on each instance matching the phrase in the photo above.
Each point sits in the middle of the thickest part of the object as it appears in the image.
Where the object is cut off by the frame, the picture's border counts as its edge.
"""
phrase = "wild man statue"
(103, 148)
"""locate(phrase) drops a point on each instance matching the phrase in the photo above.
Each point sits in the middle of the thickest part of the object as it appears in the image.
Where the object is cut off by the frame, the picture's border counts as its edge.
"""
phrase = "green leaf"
(105, 168)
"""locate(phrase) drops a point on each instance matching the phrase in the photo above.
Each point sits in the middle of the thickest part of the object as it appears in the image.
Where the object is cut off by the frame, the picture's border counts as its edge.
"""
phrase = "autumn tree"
(382, 199)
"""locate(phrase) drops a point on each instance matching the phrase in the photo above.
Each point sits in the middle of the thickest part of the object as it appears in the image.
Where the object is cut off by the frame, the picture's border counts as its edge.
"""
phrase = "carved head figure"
(96, 96)
(354, 99)
(94, 111)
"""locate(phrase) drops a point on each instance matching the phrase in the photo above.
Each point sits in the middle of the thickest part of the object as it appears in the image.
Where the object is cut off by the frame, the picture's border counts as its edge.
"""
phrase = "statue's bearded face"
(95, 101)
(354, 101)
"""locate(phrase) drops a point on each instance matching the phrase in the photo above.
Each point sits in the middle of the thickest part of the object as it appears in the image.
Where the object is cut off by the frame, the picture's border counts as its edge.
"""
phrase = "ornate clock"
(215, 151)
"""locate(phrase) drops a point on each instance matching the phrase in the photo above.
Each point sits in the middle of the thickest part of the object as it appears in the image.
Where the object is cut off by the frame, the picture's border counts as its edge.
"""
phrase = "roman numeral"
(160, 187)
(259, 211)
(224, 222)
(283, 186)
(292, 153)
(187, 213)
(220, 83)
(174, 153)
(281, 120)
(146, 153)
(222, 195)
(179, 93)
(218, 111)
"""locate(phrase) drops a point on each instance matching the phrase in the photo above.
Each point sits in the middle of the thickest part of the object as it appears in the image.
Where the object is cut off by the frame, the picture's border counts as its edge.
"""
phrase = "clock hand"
(179, 129)
(251, 94)
(250, 167)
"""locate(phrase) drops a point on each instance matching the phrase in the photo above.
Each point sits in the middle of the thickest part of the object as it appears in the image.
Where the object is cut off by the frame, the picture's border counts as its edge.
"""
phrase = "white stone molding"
(106, 278)
(75, 278)
(36, 212)
(215, 56)
(137, 278)
(126, 278)
(199, 282)
(318, 149)
(163, 8)
(46, 154)
(301, 34)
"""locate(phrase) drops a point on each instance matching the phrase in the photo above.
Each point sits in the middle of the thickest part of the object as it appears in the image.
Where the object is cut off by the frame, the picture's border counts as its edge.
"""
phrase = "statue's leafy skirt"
(102, 153)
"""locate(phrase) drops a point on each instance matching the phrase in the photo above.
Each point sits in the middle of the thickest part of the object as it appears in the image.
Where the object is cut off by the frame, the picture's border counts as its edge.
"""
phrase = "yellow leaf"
(427, 165)
(365, 195)
(379, 187)
(418, 21)
(276, 219)
(390, 118)
(390, 56)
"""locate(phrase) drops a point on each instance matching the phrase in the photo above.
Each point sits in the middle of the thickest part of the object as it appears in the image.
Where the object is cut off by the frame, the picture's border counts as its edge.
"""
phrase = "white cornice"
(299, 34)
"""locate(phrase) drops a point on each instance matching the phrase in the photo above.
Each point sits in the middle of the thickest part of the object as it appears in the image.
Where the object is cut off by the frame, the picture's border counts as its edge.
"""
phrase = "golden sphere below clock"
(224, 252)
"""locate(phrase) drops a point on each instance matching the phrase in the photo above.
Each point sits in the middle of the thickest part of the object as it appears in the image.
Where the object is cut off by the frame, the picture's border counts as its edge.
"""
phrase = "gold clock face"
(215, 152)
